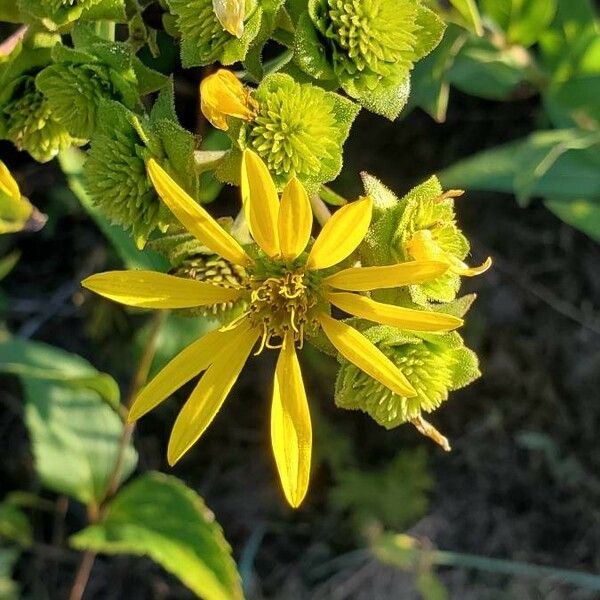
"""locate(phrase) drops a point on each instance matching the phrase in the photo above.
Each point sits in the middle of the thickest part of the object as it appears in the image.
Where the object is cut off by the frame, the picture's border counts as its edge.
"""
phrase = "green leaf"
(485, 70)
(309, 52)
(581, 214)
(470, 14)
(574, 103)
(394, 496)
(522, 20)
(9, 590)
(561, 164)
(158, 516)
(14, 525)
(74, 434)
(8, 263)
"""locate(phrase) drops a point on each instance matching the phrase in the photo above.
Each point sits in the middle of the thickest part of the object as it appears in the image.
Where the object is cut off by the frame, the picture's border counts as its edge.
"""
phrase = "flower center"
(280, 306)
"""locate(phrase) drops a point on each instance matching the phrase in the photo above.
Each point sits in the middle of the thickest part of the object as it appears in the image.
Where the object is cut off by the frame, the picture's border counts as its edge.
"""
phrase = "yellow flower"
(422, 246)
(231, 15)
(289, 295)
(223, 95)
(15, 209)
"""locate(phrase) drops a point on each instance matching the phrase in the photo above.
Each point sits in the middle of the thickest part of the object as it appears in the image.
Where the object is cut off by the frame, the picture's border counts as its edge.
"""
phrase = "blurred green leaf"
(158, 516)
(9, 590)
(483, 69)
(522, 20)
(430, 586)
(176, 333)
(34, 360)
(469, 12)
(581, 214)
(575, 103)
(394, 496)
(561, 164)
(74, 434)
(14, 525)
(8, 263)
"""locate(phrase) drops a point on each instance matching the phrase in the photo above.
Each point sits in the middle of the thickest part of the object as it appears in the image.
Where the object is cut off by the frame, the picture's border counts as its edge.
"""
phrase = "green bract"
(367, 46)
(95, 69)
(115, 171)
(26, 117)
(203, 39)
(54, 14)
(299, 130)
(424, 209)
(433, 364)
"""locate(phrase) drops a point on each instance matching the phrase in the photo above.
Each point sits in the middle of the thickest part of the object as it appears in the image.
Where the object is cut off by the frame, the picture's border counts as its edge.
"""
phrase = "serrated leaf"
(387, 99)
(75, 435)
(158, 516)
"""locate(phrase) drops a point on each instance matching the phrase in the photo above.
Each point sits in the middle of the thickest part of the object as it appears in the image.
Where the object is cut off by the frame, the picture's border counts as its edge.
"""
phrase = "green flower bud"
(190, 259)
(420, 226)
(116, 180)
(30, 123)
(372, 45)
(204, 40)
(434, 366)
(299, 129)
(73, 92)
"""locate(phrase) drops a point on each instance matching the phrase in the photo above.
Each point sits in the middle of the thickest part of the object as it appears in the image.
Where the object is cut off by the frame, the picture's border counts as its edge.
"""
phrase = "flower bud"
(231, 15)
(222, 95)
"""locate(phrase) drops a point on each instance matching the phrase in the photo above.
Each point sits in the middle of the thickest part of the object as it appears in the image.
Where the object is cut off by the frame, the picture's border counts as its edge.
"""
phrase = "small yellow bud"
(231, 15)
(222, 95)
(15, 209)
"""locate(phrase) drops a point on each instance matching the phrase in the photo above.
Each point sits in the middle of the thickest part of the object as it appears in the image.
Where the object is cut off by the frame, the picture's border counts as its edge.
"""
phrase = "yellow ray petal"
(231, 15)
(261, 203)
(194, 218)
(356, 348)
(291, 431)
(186, 365)
(210, 393)
(341, 235)
(148, 289)
(363, 279)
(295, 220)
(466, 271)
(8, 185)
(398, 316)
(223, 95)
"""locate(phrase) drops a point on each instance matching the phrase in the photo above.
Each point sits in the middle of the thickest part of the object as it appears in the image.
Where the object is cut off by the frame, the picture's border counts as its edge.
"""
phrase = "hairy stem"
(95, 512)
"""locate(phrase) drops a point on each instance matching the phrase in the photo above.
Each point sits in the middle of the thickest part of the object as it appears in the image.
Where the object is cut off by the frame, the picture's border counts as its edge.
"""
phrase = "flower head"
(421, 226)
(370, 46)
(31, 124)
(223, 95)
(290, 287)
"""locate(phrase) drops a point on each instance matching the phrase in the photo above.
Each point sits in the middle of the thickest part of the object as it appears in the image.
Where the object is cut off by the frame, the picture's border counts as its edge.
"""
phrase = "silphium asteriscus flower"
(223, 95)
(290, 287)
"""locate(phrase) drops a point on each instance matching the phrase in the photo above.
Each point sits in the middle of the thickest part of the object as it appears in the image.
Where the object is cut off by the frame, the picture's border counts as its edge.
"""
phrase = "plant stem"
(95, 512)
(83, 575)
(319, 208)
